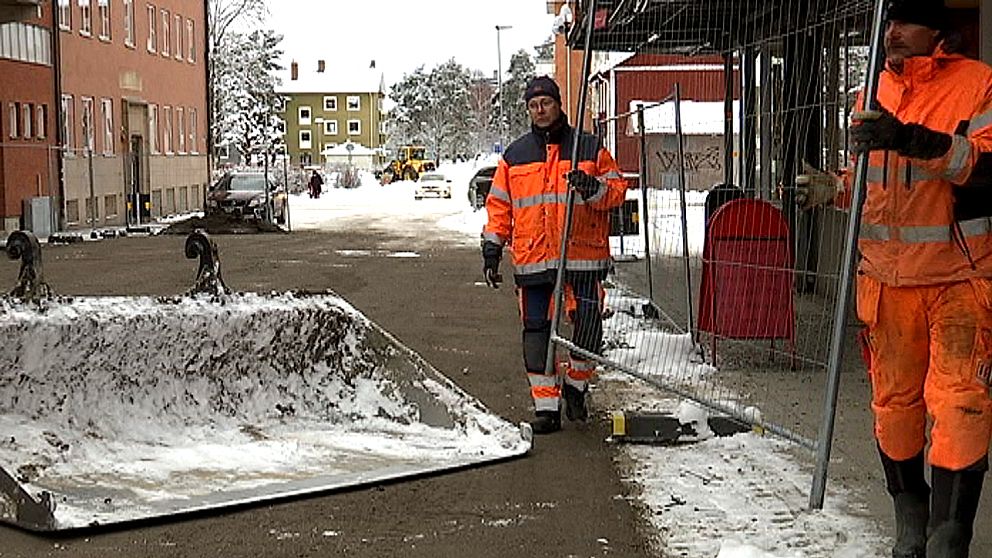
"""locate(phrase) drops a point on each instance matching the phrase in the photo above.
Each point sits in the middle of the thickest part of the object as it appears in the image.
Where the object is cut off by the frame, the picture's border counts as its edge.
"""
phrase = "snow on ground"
(740, 497)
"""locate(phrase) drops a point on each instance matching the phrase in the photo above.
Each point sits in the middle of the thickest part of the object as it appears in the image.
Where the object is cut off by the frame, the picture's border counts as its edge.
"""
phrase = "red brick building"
(28, 159)
(133, 108)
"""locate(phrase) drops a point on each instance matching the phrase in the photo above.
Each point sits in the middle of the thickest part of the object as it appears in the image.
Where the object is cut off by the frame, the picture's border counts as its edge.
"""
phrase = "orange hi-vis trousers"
(927, 346)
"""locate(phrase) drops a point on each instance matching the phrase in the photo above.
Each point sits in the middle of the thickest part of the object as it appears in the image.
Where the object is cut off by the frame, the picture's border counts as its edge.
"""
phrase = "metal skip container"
(119, 409)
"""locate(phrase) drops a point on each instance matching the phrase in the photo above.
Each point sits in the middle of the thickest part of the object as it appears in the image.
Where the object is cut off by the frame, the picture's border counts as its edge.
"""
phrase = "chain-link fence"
(727, 297)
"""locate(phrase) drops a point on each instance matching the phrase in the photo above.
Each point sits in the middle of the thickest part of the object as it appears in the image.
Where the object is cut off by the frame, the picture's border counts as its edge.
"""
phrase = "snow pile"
(126, 408)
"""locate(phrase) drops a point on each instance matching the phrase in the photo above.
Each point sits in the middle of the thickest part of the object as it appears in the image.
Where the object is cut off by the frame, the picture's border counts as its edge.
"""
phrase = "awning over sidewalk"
(696, 27)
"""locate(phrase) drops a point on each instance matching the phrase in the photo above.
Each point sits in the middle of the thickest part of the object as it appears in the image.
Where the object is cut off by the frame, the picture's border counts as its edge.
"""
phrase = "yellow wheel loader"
(410, 162)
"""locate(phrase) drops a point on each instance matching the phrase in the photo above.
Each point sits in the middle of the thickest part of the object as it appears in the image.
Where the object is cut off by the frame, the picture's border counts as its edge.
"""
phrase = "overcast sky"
(401, 35)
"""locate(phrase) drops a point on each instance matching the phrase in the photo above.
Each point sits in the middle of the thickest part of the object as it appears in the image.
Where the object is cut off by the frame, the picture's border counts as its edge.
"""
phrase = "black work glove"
(491, 255)
(875, 130)
(585, 185)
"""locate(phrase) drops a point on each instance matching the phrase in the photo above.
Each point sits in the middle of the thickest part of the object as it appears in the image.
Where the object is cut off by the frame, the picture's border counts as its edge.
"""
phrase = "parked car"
(242, 194)
(478, 186)
(432, 184)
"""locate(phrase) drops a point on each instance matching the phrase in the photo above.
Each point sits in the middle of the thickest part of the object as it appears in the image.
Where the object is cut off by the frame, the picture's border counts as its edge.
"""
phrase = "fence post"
(825, 438)
(642, 174)
(680, 139)
(559, 292)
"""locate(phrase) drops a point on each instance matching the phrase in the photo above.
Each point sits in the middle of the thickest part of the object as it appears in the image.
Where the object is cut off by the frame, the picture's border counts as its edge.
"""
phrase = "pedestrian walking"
(924, 283)
(526, 209)
(316, 185)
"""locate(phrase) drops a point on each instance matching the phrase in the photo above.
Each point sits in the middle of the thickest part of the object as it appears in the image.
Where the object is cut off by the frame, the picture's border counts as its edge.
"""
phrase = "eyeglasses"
(540, 103)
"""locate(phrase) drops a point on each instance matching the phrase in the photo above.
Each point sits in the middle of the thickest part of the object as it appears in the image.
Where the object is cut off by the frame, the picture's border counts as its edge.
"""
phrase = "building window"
(167, 130)
(107, 107)
(330, 127)
(180, 131)
(177, 28)
(92, 213)
(86, 17)
(27, 116)
(25, 43)
(153, 128)
(354, 127)
(13, 120)
(104, 7)
(191, 120)
(41, 121)
(383, 128)
(67, 121)
(190, 42)
(65, 15)
(110, 205)
(305, 139)
(72, 211)
(330, 103)
(129, 23)
(152, 25)
(166, 39)
(88, 123)
(354, 102)
(304, 114)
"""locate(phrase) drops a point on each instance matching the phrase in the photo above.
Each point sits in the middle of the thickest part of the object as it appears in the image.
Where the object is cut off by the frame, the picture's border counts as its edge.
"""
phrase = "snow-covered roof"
(336, 78)
(358, 150)
(698, 117)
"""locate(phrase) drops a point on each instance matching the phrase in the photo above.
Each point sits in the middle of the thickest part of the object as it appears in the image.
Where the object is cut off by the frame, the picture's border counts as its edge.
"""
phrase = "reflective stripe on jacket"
(916, 228)
(527, 204)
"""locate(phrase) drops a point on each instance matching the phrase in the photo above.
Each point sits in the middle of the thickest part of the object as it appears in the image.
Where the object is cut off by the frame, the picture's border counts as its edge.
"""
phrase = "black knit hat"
(542, 85)
(928, 13)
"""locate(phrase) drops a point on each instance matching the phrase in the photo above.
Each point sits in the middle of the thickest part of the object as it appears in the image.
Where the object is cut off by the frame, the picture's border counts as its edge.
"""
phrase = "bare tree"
(225, 13)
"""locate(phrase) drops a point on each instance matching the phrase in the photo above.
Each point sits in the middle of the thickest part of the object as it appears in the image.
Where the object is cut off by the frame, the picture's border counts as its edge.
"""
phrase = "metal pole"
(685, 220)
(642, 174)
(89, 157)
(499, 89)
(285, 184)
(728, 117)
(549, 364)
(875, 66)
(268, 198)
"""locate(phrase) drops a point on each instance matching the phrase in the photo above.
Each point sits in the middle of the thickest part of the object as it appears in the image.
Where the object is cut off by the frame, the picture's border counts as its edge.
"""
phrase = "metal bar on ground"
(731, 411)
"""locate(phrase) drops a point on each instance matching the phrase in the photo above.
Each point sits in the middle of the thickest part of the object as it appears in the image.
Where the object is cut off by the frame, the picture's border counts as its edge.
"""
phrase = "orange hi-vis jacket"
(527, 203)
(925, 222)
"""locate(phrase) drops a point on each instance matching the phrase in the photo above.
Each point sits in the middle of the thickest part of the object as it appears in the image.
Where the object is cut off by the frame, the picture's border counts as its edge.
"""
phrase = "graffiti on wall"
(703, 161)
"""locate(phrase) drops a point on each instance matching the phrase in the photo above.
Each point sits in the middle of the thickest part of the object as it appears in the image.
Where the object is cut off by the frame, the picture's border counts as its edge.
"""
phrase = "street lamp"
(499, 79)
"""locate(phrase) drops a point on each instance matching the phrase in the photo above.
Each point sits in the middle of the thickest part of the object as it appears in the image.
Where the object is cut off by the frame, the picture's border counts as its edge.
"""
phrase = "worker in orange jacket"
(526, 207)
(924, 283)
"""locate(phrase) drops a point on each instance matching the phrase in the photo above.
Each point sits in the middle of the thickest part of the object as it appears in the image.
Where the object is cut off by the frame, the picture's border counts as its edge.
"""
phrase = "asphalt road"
(565, 499)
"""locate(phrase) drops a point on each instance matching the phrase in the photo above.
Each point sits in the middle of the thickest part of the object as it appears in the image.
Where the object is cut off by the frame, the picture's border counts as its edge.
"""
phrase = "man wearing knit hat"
(527, 204)
(924, 284)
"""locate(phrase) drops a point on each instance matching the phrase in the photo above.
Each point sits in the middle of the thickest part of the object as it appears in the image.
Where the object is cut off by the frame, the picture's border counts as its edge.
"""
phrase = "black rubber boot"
(575, 403)
(910, 499)
(546, 422)
(955, 504)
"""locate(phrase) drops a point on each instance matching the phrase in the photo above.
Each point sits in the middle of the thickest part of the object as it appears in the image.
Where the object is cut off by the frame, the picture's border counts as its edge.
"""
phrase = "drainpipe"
(208, 125)
(59, 132)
